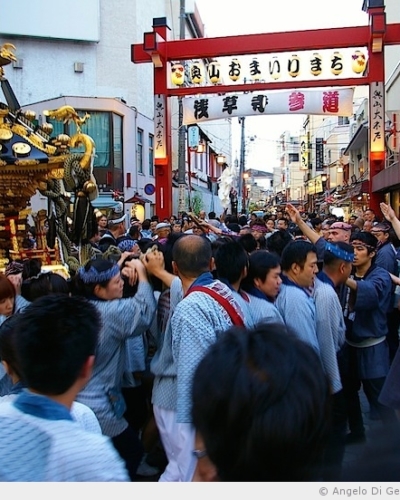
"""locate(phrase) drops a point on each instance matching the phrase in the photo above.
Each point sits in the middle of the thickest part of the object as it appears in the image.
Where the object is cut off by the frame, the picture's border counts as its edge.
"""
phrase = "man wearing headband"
(386, 258)
(367, 359)
(116, 229)
(331, 333)
(100, 281)
(338, 231)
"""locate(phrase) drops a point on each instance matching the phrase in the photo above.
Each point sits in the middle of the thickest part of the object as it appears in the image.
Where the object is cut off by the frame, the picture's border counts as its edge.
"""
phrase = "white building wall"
(103, 45)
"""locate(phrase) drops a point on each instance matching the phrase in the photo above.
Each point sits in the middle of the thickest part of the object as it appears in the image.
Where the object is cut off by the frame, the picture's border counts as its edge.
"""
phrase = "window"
(151, 155)
(293, 157)
(117, 143)
(343, 120)
(106, 130)
(139, 150)
(98, 127)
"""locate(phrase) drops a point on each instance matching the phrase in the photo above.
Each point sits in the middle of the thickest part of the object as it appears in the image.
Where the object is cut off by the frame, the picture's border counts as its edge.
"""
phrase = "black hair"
(44, 284)
(146, 224)
(278, 241)
(233, 226)
(315, 221)
(134, 232)
(366, 238)
(172, 238)
(54, 337)
(296, 253)
(7, 343)
(31, 267)
(248, 242)
(261, 405)
(231, 260)
(260, 264)
(242, 220)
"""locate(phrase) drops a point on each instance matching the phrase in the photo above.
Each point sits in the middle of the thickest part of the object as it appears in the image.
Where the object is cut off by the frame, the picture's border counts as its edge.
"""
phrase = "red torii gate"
(157, 48)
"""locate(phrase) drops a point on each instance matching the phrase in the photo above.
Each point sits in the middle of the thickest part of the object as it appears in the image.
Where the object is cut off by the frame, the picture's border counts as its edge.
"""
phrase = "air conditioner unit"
(18, 64)
(78, 67)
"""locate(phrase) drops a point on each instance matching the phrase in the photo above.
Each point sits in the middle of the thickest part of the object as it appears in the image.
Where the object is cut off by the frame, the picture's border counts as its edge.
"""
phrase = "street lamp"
(221, 159)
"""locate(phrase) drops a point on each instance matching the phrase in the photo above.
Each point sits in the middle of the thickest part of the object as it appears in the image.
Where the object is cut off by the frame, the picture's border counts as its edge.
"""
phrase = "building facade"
(84, 60)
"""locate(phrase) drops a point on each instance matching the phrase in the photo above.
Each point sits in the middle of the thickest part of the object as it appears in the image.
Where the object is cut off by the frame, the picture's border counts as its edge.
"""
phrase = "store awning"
(359, 138)
(136, 198)
(387, 179)
(353, 191)
(104, 200)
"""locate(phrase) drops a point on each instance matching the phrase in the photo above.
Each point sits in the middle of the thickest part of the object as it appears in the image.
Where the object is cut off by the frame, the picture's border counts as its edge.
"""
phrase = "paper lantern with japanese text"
(358, 62)
(177, 74)
(316, 64)
(214, 72)
(197, 72)
(255, 71)
(234, 70)
(336, 63)
(294, 65)
(275, 68)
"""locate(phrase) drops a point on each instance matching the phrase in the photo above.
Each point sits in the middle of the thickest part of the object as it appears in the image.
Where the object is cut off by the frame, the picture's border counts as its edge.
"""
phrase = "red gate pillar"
(153, 50)
(163, 166)
(377, 25)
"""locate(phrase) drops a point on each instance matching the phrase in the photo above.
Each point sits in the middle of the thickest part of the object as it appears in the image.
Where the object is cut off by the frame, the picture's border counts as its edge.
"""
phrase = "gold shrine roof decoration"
(29, 155)
(32, 159)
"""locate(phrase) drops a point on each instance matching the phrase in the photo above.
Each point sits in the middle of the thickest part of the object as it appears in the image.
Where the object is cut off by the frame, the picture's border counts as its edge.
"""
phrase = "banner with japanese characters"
(377, 116)
(160, 127)
(328, 101)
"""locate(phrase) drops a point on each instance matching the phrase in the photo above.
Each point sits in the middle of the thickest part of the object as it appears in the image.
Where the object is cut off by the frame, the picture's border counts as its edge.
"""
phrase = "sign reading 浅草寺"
(336, 102)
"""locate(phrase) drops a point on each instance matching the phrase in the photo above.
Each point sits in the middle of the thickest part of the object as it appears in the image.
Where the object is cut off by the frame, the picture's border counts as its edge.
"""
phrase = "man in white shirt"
(55, 339)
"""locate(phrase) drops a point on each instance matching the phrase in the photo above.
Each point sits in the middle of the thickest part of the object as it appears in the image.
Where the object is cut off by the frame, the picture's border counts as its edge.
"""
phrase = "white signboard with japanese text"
(328, 101)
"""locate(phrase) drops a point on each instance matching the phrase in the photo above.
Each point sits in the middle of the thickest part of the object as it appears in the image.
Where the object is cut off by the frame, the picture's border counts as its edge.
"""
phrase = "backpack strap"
(234, 315)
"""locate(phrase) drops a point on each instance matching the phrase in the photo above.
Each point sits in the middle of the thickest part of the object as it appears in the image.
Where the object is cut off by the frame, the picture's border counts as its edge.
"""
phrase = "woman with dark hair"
(11, 300)
(122, 318)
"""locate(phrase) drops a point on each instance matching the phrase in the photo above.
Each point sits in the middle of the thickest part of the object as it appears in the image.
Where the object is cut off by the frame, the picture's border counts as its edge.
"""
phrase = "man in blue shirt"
(295, 301)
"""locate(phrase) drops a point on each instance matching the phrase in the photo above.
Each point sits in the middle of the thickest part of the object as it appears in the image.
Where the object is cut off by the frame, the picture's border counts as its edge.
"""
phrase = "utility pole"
(241, 195)
(182, 129)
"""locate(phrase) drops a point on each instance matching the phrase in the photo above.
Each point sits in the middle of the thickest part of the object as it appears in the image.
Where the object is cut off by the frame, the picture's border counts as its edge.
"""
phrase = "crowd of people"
(235, 347)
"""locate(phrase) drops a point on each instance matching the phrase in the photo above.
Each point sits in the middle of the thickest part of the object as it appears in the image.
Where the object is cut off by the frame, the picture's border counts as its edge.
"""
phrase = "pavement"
(354, 451)
(352, 454)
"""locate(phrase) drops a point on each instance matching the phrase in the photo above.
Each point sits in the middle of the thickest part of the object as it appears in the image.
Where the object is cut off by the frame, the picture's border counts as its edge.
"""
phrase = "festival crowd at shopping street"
(186, 296)
(206, 347)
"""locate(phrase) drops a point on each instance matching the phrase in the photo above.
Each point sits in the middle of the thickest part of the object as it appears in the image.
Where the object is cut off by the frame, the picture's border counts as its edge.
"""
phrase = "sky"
(225, 18)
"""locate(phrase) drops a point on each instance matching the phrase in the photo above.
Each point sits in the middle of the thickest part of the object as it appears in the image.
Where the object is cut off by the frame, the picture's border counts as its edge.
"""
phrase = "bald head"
(192, 255)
